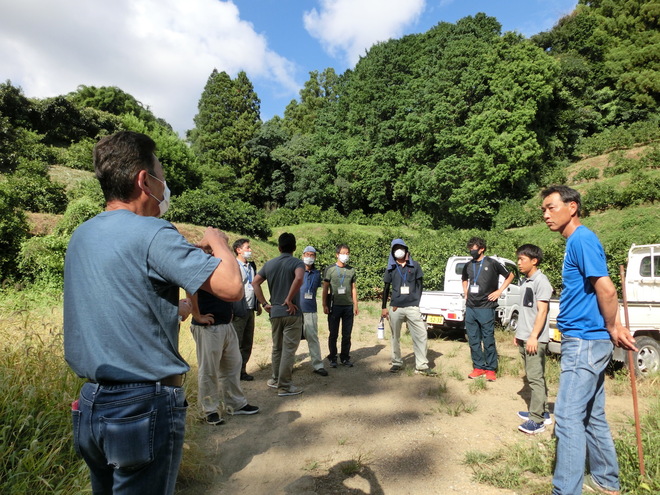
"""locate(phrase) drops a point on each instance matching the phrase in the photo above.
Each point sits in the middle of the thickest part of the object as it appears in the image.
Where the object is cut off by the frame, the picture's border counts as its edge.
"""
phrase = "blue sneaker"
(532, 428)
(547, 420)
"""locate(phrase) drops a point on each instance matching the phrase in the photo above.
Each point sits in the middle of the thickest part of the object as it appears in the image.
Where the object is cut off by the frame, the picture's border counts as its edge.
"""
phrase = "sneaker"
(547, 420)
(272, 383)
(333, 364)
(591, 486)
(476, 373)
(321, 371)
(396, 368)
(246, 378)
(214, 419)
(292, 390)
(491, 376)
(246, 409)
(347, 363)
(532, 428)
(426, 372)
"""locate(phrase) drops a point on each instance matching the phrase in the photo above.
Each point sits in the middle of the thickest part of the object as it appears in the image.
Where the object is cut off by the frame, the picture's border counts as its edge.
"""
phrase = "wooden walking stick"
(633, 376)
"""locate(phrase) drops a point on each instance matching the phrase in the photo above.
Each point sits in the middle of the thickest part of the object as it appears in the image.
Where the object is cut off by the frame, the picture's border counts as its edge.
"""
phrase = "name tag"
(405, 290)
(308, 295)
(341, 290)
(474, 289)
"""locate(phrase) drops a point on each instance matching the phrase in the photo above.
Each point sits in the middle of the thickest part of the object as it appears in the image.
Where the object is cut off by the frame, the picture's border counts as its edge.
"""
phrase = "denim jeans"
(130, 436)
(480, 329)
(343, 314)
(581, 427)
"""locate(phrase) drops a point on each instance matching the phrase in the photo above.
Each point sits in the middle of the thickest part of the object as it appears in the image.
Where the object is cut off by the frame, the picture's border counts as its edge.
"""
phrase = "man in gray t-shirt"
(532, 336)
(285, 276)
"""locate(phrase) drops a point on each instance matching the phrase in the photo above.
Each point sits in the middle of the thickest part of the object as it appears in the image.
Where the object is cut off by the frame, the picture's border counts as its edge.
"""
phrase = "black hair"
(476, 241)
(567, 195)
(238, 243)
(119, 158)
(342, 246)
(532, 251)
(287, 243)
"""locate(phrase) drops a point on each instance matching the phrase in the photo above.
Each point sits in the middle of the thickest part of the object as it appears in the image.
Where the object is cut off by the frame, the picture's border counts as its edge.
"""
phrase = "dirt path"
(363, 430)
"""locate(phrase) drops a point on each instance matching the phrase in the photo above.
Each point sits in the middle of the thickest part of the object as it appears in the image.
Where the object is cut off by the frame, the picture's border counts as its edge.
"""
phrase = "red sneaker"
(477, 373)
(490, 375)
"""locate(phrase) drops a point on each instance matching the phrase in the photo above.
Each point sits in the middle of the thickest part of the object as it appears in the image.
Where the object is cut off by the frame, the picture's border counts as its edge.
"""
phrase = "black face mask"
(474, 253)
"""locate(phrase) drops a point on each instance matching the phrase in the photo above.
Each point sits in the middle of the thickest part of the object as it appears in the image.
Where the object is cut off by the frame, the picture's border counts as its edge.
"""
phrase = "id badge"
(309, 295)
(341, 290)
(404, 290)
(474, 289)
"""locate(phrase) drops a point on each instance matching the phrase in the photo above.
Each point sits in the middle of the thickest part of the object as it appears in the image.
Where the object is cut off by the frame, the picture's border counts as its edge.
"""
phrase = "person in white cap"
(311, 283)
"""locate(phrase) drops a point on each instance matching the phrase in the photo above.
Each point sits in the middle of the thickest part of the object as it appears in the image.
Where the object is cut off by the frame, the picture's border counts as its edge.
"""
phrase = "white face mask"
(399, 253)
(163, 204)
(309, 260)
(247, 254)
(343, 258)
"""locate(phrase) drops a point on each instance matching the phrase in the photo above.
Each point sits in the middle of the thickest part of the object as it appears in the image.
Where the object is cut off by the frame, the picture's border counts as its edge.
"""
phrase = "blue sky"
(162, 51)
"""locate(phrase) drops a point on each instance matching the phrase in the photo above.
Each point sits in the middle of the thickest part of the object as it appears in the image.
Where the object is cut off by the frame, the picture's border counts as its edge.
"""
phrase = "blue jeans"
(581, 426)
(480, 329)
(131, 436)
(343, 314)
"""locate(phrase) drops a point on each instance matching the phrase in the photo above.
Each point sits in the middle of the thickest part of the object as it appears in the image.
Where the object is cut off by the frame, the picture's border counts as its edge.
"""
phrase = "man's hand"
(621, 337)
(185, 308)
(326, 310)
(494, 296)
(258, 309)
(532, 346)
(290, 307)
(355, 310)
(212, 237)
(385, 314)
(206, 319)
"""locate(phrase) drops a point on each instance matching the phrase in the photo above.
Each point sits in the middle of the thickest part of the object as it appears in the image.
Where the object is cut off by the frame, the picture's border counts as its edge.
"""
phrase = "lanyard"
(481, 264)
(248, 271)
(310, 280)
(342, 277)
(403, 276)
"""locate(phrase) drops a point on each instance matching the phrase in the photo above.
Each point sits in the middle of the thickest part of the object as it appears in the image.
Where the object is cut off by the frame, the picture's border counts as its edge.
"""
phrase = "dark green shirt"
(341, 280)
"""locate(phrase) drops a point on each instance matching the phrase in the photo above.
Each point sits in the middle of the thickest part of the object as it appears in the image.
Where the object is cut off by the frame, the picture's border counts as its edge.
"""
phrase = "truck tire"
(647, 358)
(513, 322)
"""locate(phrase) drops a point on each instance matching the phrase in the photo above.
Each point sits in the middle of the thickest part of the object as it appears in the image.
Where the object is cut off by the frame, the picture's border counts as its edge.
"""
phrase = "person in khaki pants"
(404, 276)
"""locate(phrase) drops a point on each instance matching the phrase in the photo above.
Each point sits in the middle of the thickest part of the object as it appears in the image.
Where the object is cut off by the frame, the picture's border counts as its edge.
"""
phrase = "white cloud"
(160, 51)
(346, 28)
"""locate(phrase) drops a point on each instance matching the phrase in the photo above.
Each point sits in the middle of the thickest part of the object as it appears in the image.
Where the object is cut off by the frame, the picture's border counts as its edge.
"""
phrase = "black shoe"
(321, 371)
(395, 368)
(347, 363)
(214, 419)
(246, 378)
(247, 409)
(333, 364)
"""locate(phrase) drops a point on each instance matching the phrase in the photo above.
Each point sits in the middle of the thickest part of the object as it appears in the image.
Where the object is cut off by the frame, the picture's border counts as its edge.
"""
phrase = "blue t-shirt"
(311, 283)
(579, 314)
(122, 275)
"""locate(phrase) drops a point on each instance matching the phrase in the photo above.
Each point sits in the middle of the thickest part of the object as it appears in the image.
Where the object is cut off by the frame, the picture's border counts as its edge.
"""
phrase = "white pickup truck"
(445, 310)
(643, 294)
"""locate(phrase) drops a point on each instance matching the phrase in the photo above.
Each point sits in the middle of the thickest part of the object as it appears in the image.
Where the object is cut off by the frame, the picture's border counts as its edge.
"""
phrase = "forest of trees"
(447, 128)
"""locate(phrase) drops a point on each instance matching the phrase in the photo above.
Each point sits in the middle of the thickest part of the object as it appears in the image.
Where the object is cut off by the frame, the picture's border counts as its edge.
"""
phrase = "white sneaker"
(292, 390)
(272, 383)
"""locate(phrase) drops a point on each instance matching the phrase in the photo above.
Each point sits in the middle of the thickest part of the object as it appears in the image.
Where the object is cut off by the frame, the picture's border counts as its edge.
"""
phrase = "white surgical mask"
(247, 254)
(163, 204)
(309, 260)
(343, 258)
(399, 253)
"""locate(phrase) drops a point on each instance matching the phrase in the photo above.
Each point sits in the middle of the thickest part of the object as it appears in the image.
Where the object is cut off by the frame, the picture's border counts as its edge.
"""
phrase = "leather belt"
(168, 381)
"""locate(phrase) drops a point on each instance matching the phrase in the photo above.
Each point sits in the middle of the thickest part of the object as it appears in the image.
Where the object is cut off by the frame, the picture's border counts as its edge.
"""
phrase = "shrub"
(77, 212)
(281, 217)
(620, 164)
(13, 231)
(600, 197)
(208, 207)
(87, 188)
(514, 213)
(41, 259)
(80, 155)
(586, 174)
(37, 193)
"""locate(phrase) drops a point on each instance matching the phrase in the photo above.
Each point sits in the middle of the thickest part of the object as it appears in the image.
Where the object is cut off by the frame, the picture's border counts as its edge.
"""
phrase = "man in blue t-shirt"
(122, 275)
(589, 322)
